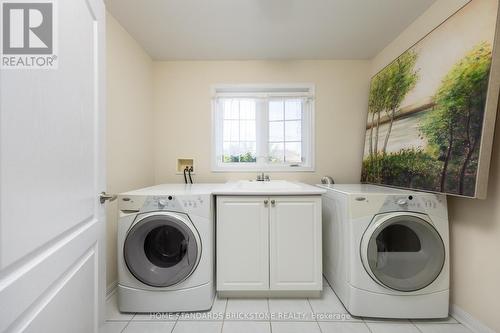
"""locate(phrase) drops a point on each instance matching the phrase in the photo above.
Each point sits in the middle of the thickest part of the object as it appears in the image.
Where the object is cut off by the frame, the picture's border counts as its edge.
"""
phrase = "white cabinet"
(269, 243)
(242, 243)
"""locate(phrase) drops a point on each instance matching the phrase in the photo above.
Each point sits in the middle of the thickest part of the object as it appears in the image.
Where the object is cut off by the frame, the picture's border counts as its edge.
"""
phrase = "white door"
(295, 243)
(242, 243)
(51, 171)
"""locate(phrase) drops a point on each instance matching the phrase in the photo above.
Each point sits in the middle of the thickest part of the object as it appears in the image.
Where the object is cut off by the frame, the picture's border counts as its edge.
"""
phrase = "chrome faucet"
(263, 178)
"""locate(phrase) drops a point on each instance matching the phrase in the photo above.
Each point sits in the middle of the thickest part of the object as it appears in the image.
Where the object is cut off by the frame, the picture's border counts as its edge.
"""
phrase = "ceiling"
(265, 29)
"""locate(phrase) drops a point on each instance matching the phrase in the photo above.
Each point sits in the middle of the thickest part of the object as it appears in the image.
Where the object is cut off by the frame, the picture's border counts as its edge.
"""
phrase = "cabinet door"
(295, 243)
(242, 243)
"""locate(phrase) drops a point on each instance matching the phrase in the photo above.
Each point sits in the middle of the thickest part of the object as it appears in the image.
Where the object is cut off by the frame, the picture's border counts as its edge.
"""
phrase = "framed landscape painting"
(432, 111)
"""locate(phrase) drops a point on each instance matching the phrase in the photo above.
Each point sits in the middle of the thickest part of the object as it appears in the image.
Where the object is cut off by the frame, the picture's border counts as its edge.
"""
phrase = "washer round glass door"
(403, 252)
(162, 249)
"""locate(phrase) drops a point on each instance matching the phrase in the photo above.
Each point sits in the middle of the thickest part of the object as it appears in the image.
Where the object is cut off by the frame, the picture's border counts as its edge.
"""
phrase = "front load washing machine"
(166, 249)
(386, 251)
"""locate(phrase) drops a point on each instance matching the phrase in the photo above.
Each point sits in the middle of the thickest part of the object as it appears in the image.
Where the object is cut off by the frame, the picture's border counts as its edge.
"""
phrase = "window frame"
(264, 92)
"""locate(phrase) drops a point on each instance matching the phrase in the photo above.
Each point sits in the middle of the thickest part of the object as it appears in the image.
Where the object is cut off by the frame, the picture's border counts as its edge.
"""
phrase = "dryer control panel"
(423, 203)
(402, 203)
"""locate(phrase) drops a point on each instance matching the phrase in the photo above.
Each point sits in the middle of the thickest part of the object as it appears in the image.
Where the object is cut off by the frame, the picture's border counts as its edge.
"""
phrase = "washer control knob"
(162, 203)
(402, 202)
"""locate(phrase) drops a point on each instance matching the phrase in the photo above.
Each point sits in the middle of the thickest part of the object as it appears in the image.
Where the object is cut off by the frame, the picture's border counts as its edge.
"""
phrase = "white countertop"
(242, 187)
(274, 187)
(176, 189)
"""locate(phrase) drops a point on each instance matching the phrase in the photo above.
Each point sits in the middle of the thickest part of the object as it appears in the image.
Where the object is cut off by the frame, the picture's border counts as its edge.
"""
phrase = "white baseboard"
(111, 289)
(468, 320)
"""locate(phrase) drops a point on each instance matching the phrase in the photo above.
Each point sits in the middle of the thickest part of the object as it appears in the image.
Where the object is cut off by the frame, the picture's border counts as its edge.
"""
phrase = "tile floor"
(322, 315)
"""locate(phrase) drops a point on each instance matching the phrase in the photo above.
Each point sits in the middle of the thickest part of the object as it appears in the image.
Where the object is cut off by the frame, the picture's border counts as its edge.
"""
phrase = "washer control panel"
(155, 203)
(190, 204)
(185, 203)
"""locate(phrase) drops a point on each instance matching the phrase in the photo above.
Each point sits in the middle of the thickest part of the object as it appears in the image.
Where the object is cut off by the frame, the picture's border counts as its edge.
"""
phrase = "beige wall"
(474, 224)
(129, 124)
(475, 247)
(182, 104)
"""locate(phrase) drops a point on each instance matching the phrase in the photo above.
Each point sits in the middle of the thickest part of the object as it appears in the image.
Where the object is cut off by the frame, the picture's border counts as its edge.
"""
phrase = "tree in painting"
(401, 78)
(454, 127)
(376, 104)
(387, 91)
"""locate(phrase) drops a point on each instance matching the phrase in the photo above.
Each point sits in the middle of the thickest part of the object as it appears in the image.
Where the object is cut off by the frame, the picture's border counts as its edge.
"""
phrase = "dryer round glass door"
(404, 252)
(162, 249)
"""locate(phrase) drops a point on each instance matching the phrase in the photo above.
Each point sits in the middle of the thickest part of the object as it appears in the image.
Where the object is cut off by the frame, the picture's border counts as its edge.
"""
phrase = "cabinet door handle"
(266, 202)
(273, 202)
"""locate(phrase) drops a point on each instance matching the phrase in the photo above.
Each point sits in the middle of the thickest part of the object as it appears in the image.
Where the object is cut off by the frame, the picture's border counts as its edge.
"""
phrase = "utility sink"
(267, 185)
(273, 187)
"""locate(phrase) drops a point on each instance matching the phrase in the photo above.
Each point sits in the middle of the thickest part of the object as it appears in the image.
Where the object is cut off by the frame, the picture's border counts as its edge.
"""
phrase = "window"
(263, 128)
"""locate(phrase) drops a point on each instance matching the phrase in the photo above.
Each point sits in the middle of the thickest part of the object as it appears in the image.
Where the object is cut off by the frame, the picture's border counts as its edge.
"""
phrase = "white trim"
(213, 146)
(263, 95)
(468, 320)
(304, 91)
(111, 289)
(264, 89)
